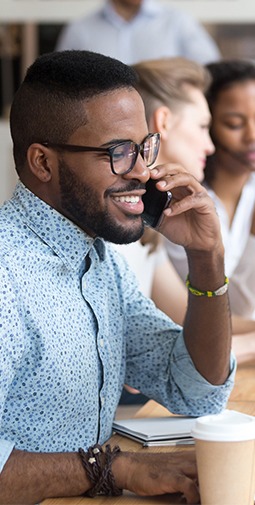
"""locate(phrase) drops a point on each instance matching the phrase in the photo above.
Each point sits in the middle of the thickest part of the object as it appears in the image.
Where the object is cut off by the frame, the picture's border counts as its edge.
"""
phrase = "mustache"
(128, 188)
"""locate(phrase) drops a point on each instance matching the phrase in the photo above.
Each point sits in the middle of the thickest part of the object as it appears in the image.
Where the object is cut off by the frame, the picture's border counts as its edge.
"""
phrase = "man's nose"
(140, 171)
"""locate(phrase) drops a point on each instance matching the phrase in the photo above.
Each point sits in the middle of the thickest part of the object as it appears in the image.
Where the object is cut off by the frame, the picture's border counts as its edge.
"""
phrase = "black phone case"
(155, 202)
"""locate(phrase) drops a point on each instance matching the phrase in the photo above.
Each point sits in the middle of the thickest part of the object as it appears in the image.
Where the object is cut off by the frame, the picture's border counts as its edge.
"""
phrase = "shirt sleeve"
(12, 346)
(192, 384)
(159, 365)
(6, 448)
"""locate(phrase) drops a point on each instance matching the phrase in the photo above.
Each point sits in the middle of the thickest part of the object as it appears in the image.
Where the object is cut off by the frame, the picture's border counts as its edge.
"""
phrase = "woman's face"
(188, 141)
(233, 126)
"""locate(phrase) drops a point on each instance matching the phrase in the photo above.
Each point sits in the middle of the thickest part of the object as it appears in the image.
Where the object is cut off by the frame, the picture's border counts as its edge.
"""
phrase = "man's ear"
(161, 121)
(41, 161)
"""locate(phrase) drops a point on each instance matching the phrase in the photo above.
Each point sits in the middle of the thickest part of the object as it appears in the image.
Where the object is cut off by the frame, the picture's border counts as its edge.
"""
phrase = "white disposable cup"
(225, 453)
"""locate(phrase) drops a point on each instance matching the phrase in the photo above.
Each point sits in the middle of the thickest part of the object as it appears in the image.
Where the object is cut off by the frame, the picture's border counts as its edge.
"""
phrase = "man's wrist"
(206, 269)
(122, 469)
(97, 464)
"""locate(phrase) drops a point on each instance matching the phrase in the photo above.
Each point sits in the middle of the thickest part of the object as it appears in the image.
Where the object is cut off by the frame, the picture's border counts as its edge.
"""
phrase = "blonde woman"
(173, 93)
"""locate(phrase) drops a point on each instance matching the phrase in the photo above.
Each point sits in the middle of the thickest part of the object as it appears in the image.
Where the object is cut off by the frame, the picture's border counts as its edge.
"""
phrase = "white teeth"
(127, 199)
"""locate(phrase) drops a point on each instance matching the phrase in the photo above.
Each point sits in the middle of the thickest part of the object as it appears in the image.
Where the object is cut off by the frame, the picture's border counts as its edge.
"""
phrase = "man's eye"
(122, 152)
(119, 155)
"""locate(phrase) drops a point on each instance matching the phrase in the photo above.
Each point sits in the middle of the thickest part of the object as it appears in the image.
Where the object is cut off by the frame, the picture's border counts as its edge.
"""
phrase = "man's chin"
(122, 235)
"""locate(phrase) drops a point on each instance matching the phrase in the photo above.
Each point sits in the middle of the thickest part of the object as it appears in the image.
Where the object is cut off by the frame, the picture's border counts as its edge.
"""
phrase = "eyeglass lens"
(150, 149)
(125, 155)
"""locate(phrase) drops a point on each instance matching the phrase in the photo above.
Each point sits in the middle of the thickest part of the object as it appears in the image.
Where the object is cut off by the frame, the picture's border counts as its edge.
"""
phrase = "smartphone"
(155, 202)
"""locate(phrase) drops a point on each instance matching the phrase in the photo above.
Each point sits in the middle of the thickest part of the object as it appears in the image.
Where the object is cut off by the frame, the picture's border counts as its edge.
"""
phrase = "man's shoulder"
(173, 13)
(12, 229)
(88, 19)
(6, 218)
(77, 34)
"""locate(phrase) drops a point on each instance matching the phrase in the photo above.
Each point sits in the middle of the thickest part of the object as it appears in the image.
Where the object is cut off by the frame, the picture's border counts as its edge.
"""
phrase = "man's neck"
(126, 9)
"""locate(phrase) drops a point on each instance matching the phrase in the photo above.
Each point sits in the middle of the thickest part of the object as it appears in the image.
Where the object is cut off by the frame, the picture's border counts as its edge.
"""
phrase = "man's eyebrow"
(115, 141)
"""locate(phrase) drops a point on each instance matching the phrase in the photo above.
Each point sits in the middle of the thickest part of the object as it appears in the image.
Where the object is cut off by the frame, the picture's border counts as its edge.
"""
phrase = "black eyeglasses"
(123, 155)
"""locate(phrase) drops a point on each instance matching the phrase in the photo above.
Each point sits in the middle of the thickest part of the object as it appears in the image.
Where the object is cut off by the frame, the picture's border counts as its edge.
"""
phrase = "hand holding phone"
(155, 202)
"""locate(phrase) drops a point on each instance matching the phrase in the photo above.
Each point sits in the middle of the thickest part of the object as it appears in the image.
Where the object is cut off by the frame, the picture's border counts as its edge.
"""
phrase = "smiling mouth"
(129, 204)
(127, 199)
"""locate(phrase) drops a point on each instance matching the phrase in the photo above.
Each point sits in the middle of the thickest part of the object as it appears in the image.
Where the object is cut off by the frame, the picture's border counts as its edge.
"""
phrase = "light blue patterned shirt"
(70, 335)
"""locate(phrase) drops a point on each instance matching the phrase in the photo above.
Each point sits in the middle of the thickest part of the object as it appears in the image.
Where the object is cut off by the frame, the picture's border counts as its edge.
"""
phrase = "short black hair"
(47, 104)
(226, 73)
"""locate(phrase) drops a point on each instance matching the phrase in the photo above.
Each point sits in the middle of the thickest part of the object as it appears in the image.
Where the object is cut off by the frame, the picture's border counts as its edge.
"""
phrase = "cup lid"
(228, 426)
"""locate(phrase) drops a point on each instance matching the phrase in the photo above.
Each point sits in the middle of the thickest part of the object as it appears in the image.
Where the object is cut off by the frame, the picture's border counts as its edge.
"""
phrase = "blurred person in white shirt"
(136, 30)
(230, 181)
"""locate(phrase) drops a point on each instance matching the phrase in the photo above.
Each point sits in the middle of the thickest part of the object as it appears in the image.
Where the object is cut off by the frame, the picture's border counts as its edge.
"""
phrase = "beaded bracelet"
(218, 292)
(99, 472)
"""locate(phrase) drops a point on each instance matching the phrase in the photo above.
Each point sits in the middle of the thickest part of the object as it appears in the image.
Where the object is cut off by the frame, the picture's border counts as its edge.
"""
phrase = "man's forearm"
(29, 478)
(207, 326)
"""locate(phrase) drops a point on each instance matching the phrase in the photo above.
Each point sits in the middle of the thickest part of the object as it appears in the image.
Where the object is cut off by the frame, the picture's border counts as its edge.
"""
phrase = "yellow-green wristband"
(218, 292)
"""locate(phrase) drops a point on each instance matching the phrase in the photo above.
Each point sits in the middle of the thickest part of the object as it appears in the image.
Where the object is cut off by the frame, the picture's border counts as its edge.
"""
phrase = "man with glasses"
(74, 326)
(123, 155)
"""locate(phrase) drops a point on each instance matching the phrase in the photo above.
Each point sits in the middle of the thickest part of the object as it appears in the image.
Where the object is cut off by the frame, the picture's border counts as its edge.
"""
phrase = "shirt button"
(102, 400)
(101, 342)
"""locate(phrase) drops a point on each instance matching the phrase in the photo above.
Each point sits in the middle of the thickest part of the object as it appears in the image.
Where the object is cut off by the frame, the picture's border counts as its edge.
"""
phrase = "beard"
(80, 204)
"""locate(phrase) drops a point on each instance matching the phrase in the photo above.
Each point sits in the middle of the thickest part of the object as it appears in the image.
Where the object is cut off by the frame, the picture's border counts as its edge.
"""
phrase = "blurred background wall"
(31, 27)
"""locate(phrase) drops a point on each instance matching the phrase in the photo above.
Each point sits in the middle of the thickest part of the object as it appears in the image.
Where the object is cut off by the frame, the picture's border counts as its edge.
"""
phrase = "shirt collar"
(63, 236)
(149, 8)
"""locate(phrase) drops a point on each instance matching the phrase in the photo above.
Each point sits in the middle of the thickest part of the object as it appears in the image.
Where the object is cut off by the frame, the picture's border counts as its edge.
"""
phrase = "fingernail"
(162, 183)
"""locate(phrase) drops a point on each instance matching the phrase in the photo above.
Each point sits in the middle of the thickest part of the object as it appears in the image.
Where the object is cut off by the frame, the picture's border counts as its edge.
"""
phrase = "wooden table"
(241, 399)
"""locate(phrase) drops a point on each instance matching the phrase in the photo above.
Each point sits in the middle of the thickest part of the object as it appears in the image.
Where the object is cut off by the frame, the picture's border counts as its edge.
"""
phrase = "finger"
(188, 462)
(166, 169)
(198, 201)
(188, 488)
(180, 180)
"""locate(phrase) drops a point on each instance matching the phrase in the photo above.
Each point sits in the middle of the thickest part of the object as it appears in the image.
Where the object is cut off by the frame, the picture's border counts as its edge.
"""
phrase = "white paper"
(175, 429)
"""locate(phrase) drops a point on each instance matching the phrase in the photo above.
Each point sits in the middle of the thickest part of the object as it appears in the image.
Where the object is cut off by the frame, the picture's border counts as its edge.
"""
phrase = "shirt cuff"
(187, 372)
(6, 448)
